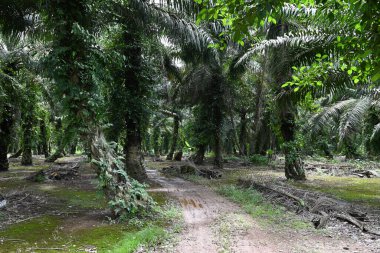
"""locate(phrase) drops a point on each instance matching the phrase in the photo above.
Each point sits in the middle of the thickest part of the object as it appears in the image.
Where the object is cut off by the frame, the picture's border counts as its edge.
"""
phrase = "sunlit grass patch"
(361, 190)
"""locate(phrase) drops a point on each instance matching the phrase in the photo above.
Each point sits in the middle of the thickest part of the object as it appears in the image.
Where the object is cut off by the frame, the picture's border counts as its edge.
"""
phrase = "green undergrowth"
(255, 205)
(358, 190)
(54, 232)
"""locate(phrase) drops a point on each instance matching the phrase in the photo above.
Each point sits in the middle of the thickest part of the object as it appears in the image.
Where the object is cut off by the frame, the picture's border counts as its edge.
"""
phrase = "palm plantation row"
(118, 77)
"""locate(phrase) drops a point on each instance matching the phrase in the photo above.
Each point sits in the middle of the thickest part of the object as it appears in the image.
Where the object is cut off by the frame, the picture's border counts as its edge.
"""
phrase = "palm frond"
(302, 43)
(375, 133)
(177, 28)
(329, 115)
(353, 118)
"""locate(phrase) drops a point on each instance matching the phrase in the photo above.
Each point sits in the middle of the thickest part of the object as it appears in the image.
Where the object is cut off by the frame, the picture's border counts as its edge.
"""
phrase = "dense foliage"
(195, 78)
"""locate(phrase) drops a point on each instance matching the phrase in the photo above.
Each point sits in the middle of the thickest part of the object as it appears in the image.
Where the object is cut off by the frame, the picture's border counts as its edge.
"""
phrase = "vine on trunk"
(126, 196)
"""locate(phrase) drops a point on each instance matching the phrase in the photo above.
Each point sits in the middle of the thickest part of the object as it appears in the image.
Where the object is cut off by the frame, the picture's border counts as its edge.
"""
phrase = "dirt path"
(214, 224)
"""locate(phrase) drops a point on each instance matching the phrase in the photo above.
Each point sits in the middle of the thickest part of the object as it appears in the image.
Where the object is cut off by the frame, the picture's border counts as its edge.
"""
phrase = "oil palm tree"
(294, 42)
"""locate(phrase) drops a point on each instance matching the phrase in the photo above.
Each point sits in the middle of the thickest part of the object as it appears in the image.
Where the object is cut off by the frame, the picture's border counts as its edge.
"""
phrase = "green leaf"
(358, 27)
(285, 85)
(296, 89)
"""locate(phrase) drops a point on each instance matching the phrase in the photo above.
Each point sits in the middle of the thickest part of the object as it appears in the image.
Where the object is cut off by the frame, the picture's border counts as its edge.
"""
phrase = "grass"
(148, 236)
(358, 190)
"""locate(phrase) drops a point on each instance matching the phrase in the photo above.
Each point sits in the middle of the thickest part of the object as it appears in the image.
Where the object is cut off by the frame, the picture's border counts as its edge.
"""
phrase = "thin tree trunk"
(243, 133)
(218, 116)
(27, 127)
(174, 138)
(43, 139)
(73, 147)
(156, 137)
(236, 143)
(257, 117)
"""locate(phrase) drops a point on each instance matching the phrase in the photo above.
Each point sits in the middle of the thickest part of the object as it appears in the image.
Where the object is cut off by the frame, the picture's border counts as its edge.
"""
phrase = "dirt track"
(214, 224)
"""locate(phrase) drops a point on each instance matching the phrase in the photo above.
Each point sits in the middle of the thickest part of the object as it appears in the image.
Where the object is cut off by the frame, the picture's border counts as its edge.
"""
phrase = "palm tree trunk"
(174, 138)
(60, 142)
(5, 131)
(293, 164)
(199, 155)
(4, 164)
(134, 115)
(133, 155)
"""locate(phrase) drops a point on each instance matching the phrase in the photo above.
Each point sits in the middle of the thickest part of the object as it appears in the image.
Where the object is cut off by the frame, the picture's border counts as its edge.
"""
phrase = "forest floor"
(217, 216)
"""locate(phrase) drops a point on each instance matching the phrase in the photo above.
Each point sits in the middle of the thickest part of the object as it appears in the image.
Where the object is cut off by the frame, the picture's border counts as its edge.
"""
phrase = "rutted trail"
(215, 224)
